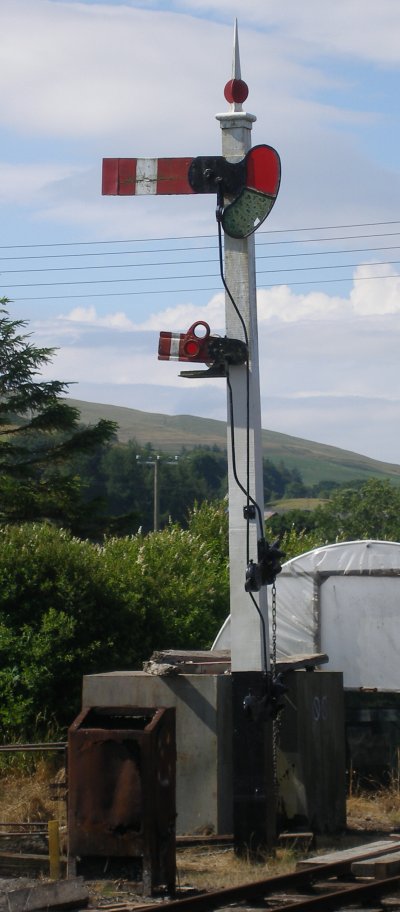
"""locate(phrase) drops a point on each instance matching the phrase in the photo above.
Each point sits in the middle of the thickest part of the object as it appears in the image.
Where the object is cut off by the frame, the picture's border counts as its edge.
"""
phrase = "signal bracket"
(221, 352)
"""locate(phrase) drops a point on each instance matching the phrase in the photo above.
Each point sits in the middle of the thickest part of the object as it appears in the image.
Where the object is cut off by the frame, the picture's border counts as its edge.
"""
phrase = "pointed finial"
(236, 74)
(236, 91)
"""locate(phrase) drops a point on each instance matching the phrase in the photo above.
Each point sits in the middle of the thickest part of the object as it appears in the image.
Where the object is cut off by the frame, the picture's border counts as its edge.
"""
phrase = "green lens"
(246, 213)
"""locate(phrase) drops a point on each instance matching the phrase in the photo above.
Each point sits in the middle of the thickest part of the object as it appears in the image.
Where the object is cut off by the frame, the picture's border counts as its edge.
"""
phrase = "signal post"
(246, 183)
(253, 790)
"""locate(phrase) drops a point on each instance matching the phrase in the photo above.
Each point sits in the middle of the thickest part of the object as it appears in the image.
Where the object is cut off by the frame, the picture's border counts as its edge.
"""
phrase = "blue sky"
(80, 81)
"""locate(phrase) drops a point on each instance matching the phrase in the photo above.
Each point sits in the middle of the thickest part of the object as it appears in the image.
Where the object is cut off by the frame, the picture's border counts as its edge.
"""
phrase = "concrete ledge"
(65, 893)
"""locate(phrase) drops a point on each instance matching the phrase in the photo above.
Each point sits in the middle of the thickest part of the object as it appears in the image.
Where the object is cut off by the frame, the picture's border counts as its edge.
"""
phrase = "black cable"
(331, 266)
(269, 256)
(108, 253)
(246, 491)
(119, 265)
(331, 227)
(315, 253)
(205, 275)
(227, 289)
(269, 243)
(124, 294)
(220, 204)
(322, 240)
(195, 236)
(263, 632)
(234, 467)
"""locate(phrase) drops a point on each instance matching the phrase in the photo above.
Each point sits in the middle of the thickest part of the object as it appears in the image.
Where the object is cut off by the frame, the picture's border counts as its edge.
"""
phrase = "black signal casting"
(265, 571)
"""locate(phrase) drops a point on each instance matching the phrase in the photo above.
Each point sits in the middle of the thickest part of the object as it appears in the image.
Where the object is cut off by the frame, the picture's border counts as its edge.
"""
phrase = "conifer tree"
(40, 433)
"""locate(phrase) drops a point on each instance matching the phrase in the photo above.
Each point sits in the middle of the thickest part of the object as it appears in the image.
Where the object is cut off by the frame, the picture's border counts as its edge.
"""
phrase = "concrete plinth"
(214, 793)
(203, 737)
(312, 755)
(254, 804)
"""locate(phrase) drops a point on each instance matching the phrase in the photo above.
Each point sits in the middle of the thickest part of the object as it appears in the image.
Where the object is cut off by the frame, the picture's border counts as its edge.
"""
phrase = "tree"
(39, 433)
(372, 511)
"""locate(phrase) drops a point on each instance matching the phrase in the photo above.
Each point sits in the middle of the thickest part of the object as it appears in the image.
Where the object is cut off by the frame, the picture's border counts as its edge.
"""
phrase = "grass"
(297, 503)
(376, 808)
(169, 433)
(26, 797)
(208, 869)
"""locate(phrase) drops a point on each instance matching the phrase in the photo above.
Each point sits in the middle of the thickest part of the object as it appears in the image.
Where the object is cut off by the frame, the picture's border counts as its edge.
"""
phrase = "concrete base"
(311, 759)
(312, 755)
(254, 802)
(203, 737)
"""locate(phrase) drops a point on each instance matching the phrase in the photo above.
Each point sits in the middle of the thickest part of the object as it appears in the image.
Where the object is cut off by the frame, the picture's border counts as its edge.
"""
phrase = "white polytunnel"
(342, 600)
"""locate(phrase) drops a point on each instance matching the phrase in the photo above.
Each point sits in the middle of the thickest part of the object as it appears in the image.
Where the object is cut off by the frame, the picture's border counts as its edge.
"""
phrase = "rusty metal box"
(121, 792)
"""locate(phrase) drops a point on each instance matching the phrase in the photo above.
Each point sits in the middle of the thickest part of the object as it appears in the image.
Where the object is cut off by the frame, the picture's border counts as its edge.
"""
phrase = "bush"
(57, 621)
(69, 608)
(180, 578)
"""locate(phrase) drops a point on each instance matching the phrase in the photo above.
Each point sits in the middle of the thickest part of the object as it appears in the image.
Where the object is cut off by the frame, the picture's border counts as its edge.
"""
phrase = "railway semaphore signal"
(245, 181)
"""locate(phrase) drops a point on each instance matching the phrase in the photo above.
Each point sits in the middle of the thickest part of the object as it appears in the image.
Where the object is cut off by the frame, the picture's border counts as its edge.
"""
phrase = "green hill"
(169, 433)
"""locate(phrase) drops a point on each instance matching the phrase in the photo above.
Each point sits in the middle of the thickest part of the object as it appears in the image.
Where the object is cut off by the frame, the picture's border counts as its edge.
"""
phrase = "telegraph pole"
(155, 463)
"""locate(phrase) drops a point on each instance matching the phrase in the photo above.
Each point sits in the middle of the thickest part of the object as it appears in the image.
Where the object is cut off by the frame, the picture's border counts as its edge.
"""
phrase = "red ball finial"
(236, 91)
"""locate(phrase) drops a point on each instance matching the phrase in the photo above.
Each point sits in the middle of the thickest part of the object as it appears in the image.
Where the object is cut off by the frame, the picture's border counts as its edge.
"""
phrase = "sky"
(99, 277)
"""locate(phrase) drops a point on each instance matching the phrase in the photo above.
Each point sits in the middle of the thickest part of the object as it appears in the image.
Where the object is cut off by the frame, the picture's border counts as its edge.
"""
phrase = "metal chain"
(276, 722)
(273, 617)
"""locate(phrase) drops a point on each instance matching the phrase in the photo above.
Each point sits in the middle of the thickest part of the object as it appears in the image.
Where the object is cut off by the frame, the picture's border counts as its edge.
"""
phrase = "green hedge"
(68, 608)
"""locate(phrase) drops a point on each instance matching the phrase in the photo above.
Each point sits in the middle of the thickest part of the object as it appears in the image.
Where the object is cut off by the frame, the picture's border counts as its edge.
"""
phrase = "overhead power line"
(206, 275)
(194, 237)
(278, 256)
(190, 249)
(268, 256)
(120, 294)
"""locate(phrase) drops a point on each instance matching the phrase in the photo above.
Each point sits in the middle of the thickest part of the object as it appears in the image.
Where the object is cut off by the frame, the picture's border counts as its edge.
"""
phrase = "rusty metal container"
(121, 794)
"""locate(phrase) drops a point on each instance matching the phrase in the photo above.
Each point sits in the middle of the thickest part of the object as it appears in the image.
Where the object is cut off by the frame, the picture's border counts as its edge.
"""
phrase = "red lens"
(192, 348)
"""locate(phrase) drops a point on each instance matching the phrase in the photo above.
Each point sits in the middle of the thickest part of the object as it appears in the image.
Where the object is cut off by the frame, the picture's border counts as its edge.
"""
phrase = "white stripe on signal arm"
(146, 176)
(174, 347)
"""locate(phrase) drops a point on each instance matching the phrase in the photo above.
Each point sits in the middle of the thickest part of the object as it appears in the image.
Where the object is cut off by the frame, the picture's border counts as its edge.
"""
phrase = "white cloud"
(283, 304)
(310, 344)
(118, 80)
(276, 307)
(181, 317)
(29, 183)
(329, 372)
(88, 316)
(92, 70)
(358, 27)
(370, 297)
(172, 319)
(114, 85)
(108, 364)
(80, 81)
(359, 424)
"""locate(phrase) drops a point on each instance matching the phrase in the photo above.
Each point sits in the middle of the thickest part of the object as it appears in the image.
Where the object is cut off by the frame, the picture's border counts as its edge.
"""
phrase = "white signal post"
(253, 780)
(240, 275)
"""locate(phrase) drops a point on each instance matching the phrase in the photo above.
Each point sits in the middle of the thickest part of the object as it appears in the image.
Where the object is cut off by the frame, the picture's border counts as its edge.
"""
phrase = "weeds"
(210, 869)
(26, 798)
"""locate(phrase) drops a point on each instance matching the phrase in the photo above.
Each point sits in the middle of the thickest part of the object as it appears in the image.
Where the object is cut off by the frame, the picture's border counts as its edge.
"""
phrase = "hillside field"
(169, 433)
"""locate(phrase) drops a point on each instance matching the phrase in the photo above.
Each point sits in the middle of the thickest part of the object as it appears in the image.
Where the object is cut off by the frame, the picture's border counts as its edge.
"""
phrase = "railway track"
(365, 878)
(321, 886)
(321, 891)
